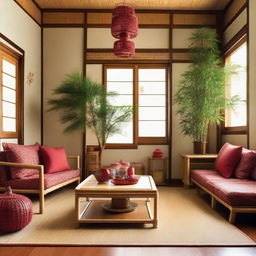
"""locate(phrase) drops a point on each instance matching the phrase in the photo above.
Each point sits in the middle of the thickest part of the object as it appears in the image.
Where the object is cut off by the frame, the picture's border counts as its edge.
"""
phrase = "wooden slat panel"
(99, 18)
(153, 18)
(31, 9)
(138, 56)
(63, 18)
(232, 10)
(180, 56)
(194, 19)
(143, 18)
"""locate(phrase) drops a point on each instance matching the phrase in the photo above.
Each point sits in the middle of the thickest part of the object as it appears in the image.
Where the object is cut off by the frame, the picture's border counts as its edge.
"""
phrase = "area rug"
(185, 218)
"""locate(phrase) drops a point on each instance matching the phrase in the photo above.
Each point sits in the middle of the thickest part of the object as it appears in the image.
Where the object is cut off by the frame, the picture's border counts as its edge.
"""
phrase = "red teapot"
(103, 175)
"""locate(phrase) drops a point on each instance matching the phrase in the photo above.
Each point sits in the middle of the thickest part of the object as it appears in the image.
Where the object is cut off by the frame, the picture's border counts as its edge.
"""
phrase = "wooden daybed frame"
(41, 191)
(233, 210)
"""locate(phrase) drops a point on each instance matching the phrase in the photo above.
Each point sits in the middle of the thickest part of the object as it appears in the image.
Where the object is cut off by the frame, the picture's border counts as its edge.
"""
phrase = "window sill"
(234, 130)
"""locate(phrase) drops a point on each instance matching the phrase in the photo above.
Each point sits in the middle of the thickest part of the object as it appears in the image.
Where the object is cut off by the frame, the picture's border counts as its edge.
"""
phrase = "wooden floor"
(125, 251)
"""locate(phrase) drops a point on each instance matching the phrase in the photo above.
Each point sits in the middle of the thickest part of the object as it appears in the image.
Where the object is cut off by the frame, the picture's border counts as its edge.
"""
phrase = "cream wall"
(63, 54)
(236, 139)
(16, 25)
(235, 26)
(139, 155)
(146, 38)
(252, 74)
(180, 144)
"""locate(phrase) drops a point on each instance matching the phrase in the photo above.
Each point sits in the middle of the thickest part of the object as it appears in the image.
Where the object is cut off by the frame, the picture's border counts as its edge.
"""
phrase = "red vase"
(158, 153)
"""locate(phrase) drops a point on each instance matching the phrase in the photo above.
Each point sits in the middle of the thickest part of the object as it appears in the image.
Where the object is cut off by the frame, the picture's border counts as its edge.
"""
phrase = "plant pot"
(199, 147)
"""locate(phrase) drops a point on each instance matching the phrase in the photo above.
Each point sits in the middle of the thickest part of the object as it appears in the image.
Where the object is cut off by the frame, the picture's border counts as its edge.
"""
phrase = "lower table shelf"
(93, 212)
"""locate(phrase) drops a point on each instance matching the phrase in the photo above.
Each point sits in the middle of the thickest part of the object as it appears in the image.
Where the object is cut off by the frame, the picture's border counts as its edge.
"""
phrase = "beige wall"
(16, 25)
(139, 155)
(252, 74)
(235, 26)
(146, 38)
(233, 9)
(180, 144)
(237, 139)
(63, 54)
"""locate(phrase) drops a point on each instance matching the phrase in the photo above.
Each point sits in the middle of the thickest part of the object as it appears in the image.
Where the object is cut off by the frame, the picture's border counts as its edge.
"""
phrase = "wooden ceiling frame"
(159, 5)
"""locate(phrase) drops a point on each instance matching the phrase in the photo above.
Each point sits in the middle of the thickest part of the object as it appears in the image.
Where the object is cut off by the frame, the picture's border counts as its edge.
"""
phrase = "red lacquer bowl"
(128, 181)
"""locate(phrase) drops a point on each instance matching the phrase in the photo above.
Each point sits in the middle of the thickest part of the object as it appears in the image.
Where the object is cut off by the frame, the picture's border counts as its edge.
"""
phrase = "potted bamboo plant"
(84, 103)
(201, 94)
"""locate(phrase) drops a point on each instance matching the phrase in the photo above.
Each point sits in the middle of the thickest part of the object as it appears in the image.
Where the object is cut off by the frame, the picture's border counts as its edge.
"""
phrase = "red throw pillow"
(253, 174)
(26, 154)
(227, 160)
(246, 164)
(54, 159)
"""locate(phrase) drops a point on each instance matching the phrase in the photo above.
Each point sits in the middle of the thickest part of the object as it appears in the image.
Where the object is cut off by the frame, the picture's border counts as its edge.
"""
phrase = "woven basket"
(15, 211)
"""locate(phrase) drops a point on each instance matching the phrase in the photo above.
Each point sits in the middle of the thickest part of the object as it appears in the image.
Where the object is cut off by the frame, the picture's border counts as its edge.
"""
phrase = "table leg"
(77, 200)
(155, 211)
(186, 172)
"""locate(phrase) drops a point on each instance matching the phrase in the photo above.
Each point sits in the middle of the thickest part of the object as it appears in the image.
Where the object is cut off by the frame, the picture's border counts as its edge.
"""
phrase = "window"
(120, 80)
(145, 87)
(10, 108)
(236, 119)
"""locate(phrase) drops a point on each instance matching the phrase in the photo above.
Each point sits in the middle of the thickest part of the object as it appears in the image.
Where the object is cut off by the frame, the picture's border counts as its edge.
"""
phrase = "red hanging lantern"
(124, 27)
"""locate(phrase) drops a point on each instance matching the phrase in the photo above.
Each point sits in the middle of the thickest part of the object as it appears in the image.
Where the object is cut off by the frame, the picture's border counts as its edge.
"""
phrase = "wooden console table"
(187, 160)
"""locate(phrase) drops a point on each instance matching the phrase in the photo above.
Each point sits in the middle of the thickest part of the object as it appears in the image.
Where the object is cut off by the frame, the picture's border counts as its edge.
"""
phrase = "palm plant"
(85, 103)
(201, 95)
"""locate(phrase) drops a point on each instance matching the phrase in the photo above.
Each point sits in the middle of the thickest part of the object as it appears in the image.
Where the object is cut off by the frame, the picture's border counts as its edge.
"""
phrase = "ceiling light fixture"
(124, 27)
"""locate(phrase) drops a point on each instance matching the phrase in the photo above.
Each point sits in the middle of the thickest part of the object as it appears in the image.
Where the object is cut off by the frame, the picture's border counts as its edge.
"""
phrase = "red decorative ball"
(15, 211)
(124, 21)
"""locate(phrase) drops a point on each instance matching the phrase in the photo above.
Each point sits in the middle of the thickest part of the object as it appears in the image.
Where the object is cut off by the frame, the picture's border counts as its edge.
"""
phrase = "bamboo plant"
(84, 103)
(201, 96)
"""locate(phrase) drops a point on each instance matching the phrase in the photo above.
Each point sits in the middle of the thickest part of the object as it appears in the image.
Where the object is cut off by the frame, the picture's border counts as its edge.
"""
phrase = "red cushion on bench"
(4, 170)
(246, 164)
(54, 159)
(26, 154)
(227, 160)
(235, 192)
(50, 180)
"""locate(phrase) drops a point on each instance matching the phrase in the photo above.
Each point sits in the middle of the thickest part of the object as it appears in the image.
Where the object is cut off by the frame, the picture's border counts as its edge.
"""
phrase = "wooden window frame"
(237, 129)
(136, 139)
(11, 55)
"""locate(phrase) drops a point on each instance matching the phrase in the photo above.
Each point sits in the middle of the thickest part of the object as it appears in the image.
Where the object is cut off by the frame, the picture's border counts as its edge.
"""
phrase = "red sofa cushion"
(204, 177)
(50, 180)
(227, 160)
(54, 159)
(235, 192)
(253, 174)
(4, 171)
(27, 154)
(246, 164)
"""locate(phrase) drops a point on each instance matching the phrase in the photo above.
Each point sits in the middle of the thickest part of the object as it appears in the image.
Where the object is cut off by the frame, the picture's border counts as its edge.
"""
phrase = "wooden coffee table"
(90, 197)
